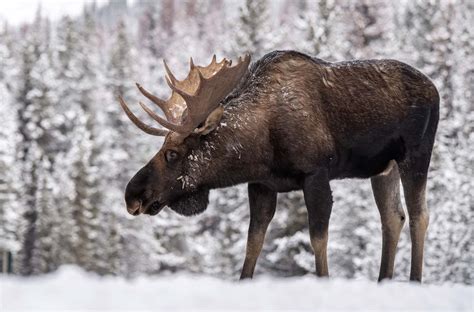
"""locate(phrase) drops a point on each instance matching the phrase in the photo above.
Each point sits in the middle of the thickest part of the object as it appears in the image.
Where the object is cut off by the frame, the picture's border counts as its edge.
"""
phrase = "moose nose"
(134, 208)
(135, 191)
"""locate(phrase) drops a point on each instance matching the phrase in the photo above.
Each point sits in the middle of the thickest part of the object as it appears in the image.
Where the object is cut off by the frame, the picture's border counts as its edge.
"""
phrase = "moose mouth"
(154, 208)
(187, 205)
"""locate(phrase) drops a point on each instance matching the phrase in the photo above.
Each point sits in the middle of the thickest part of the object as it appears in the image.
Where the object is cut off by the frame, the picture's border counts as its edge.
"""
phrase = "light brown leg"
(414, 174)
(386, 189)
(414, 186)
(320, 247)
(318, 199)
(262, 209)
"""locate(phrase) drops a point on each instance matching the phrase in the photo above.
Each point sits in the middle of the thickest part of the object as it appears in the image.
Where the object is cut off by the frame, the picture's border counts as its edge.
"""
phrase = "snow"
(71, 288)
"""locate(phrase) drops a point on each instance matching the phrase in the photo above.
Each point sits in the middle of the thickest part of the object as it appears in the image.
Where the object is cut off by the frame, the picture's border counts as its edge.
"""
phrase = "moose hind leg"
(318, 199)
(413, 172)
(262, 202)
(386, 189)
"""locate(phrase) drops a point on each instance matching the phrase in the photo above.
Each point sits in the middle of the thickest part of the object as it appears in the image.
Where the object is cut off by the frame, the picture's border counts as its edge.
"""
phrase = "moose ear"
(212, 121)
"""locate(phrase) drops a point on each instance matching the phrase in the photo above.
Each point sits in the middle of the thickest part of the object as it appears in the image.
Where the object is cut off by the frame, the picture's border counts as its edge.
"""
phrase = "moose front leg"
(262, 209)
(318, 199)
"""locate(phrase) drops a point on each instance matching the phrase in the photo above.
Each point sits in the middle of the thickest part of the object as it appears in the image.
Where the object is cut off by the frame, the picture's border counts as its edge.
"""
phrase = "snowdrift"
(72, 289)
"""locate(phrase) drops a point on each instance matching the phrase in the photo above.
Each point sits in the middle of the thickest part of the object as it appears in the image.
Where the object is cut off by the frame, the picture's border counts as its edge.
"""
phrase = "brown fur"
(297, 122)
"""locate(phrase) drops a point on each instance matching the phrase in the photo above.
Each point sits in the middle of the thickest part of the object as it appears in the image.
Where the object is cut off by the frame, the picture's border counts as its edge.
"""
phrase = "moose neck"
(235, 152)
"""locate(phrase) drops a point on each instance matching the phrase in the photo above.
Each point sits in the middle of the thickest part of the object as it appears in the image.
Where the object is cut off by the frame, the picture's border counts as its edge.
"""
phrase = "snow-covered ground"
(72, 289)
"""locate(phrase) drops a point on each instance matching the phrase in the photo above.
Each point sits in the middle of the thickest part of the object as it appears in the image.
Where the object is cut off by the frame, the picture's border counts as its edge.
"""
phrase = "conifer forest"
(67, 150)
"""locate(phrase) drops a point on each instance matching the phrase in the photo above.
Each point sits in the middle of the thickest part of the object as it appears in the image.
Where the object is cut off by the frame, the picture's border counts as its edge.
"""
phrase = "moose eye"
(171, 156)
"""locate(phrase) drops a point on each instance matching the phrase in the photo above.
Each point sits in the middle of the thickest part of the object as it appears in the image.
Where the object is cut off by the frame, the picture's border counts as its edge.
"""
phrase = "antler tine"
(141, 125)
(163, 105)
(186, 96)
(162, 121)
(169, 73)
(191, 63)
(224, 60)
(220, 80)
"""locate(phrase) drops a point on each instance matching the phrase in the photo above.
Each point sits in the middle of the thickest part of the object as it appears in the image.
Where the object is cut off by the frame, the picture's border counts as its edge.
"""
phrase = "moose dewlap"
(293, 122)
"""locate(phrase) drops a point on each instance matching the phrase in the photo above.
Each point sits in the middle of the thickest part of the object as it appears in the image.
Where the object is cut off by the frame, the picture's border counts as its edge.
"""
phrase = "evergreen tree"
(46, 251)
(68, 70)
(317, 19)
(371, 24)
(120, 143)
(9, 208)
(82, 157)
(250, 37)
(35, 115)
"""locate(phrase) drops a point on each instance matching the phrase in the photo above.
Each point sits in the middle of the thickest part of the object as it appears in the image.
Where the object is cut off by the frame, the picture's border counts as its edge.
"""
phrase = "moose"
(293, 122)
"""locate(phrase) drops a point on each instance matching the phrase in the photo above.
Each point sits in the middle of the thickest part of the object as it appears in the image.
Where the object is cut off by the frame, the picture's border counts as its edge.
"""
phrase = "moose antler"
(192, 99)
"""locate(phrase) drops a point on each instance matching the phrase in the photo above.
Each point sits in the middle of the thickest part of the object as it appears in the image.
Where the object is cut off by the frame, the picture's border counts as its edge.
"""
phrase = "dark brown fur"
(297, 122)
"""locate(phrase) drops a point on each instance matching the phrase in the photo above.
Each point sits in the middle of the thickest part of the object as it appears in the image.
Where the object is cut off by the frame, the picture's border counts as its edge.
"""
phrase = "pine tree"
(47, 249)
(151, 44)
(121, 140)
(83, 155)
(9, 208)
(149, 29)
(68, 70)
(371, 22)
(317, 19)
(250, 37)
(211, 17)
(35, 115)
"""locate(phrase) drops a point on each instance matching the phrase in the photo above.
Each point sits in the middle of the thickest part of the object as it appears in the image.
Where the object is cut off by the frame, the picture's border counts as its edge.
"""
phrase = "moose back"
(293, 122)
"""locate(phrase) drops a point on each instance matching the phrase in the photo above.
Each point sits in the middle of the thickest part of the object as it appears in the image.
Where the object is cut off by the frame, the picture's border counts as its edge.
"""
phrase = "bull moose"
(293, 122)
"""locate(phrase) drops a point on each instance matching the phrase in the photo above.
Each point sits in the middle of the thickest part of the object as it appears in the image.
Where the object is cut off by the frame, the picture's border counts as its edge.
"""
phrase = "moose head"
(193, 111)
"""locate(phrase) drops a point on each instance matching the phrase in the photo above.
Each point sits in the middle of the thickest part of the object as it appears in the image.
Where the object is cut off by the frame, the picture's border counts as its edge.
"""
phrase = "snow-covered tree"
(317, 22)
(252, 29)
(47, 250)
(369, 24)
(68, 70)
(36, 116)
(9, 208)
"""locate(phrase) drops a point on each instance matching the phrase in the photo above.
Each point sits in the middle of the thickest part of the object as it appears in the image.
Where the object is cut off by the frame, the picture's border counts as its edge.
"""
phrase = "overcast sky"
(19, 11)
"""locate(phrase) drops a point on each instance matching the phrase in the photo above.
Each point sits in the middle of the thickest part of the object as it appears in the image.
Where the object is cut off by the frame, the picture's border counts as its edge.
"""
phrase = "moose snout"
(134, 208)
(135, 191)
